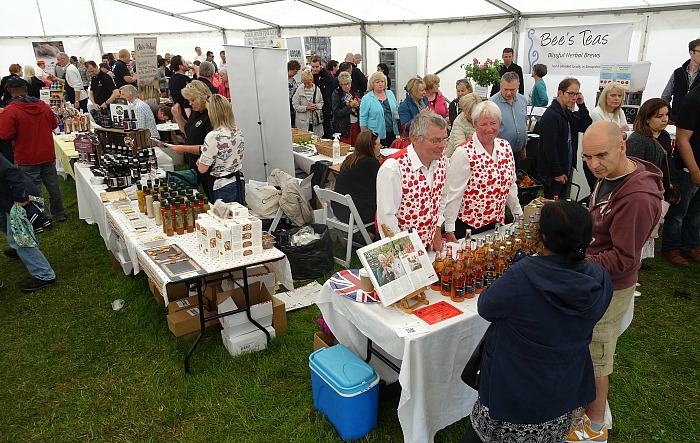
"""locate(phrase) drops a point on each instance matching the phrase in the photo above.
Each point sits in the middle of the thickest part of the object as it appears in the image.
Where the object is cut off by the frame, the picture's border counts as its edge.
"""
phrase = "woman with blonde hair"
(436, 101)
(307, 101)
(610, 107)
(463, 128)
(378, 109)
(35, 84)
(196, 127)
(463, 87)
(415, 103)
(222, 153)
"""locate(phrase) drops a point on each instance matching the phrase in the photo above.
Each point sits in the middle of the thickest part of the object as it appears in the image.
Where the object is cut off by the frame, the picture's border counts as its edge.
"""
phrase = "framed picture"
(397, 266)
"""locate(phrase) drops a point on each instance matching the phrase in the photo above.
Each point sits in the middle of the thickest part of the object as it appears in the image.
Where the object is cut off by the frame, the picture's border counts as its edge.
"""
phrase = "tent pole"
(515, 42)
(223, 36)
(427, 51)
(474, 48)
(97, 27)
(41, 18)
(363, 46)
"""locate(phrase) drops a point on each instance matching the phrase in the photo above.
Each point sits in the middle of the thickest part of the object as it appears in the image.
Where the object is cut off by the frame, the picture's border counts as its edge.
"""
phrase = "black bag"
(310, 261)
(36, 217)
(471, 375)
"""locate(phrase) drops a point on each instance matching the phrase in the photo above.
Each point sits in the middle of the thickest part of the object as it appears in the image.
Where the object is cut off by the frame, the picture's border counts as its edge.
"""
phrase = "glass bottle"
(490, 268)
(438, 264)
(189, 218)
(458, 278)
(501, 262)
(156, 213)
(478, 273)
(446, 275)
(169, 218)
(162, 216)
(195, 209)
(467, 242)
(149, 204)
(206, 204)
(509, 253)
(140, 197)
(469, 290)
(180, 220)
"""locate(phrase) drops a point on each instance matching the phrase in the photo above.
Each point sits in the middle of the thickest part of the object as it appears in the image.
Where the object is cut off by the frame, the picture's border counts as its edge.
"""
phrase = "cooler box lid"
(343, 370)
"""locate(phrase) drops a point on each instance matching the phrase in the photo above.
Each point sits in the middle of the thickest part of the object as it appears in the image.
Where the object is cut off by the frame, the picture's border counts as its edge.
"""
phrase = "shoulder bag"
(316, 114)
(674, 195)
(402, 142)
(471, 375)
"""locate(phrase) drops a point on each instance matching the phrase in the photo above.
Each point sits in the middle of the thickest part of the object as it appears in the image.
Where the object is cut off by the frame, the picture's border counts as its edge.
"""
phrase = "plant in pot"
(483, 74)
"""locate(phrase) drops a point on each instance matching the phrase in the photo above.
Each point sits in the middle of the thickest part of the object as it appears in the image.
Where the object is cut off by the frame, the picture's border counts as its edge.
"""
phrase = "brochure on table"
(397, 266)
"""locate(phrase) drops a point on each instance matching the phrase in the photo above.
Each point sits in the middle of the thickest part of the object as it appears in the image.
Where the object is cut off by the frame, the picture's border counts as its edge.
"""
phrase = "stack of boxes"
(229, 238)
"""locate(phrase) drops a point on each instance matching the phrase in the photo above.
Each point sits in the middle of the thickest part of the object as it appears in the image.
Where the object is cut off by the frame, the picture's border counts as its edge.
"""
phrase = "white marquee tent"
(447, 33)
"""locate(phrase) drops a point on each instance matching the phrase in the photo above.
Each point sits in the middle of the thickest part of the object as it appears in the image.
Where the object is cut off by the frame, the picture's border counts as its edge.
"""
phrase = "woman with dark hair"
(538, 95)
(384, 69)
(536, 369)
(463, 87)
(358, 178)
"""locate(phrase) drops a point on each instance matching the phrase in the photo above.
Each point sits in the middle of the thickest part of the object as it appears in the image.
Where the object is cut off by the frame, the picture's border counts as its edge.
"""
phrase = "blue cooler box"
(345, 390)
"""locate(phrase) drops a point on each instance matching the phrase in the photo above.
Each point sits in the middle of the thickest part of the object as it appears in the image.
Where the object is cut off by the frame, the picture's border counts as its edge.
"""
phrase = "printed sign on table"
(437, 312)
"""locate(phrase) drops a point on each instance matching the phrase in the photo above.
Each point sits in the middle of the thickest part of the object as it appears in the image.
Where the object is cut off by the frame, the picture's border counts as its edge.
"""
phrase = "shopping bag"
(262, 199)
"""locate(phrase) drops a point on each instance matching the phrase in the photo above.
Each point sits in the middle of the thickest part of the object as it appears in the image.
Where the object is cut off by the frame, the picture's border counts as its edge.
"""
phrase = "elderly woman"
(610, 107)
(358, 178)
(222, 153)
(481, 178)
(415, 102)
(464, 87)
(307, 101)
(346, 108)
(223, 86)
(538, 96)
(378, 109)
(462, 128)
(536, 368)
(195, 128)
(436, 101)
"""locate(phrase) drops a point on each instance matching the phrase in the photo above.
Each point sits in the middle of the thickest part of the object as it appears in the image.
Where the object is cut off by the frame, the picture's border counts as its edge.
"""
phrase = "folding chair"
(353, 225)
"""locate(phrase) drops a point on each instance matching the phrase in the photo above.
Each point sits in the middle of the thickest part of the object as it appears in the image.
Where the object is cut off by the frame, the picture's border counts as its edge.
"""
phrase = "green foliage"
(483, 74)
(73, 370)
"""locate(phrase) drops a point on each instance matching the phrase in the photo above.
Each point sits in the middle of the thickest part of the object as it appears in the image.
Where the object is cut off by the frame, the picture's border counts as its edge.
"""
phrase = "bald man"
(625, 205)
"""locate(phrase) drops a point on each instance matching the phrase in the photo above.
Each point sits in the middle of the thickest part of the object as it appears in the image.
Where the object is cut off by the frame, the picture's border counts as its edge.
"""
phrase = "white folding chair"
(353, 225)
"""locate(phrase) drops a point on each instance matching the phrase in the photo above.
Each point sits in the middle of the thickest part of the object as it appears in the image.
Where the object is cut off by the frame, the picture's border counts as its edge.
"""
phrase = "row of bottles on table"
(122, 169)
(69, 118)
(175, 208)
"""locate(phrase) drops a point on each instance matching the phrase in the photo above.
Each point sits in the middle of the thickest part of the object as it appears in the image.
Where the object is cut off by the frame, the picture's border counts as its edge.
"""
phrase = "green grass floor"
(73, 370)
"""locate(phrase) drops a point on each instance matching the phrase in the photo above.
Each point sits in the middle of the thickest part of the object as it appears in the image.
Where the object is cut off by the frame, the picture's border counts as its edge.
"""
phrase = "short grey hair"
(206, 69)
(422, 121)
(485, 109)
(62, 55)
(130, 90)
(344, 77)
(510, 77)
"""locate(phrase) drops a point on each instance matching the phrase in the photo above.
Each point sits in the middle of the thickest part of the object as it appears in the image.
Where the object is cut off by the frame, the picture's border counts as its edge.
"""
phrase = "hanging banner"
(147, 69)
(261, 38)
(320, 46)
(578, 50)
(47, 52)
(295, 51)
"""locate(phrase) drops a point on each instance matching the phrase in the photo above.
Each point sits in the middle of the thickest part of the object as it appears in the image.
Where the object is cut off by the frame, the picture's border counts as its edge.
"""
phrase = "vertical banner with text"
(147, 69)
(578, 50)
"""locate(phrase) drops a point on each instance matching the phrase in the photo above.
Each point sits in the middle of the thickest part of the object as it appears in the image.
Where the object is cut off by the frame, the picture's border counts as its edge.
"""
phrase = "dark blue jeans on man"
(682, 221)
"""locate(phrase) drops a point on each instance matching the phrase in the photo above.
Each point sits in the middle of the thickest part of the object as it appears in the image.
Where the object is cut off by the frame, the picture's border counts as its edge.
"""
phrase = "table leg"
(246, 295)
(200, 303)
(371, 350)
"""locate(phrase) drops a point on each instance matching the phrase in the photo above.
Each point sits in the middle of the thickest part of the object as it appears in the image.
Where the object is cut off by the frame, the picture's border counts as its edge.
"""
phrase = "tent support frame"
(97, 27)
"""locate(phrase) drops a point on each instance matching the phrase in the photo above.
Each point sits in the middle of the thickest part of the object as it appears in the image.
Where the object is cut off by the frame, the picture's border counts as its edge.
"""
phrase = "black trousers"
(461, 228)
(471, 436)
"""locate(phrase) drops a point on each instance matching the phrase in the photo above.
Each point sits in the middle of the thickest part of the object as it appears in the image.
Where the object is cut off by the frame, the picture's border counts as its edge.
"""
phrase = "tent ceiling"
(39, 17)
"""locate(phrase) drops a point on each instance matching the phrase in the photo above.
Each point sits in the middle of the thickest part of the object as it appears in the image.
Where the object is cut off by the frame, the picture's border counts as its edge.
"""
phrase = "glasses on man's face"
(436, 141)
(571, 93)
(695, 51)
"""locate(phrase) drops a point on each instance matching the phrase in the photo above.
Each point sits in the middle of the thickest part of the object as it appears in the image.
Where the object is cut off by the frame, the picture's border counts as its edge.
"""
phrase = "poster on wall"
(261, 38)
(147, 69)
(577, 50)
(295, 51)
(320, 46)
(47, 52)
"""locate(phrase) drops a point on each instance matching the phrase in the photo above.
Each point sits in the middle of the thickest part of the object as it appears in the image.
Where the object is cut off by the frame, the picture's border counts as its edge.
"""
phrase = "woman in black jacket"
(35, 84)
(345, 106)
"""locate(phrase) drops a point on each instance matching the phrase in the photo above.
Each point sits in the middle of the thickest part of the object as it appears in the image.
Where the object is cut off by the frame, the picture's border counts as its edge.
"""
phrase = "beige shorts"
(607, 330)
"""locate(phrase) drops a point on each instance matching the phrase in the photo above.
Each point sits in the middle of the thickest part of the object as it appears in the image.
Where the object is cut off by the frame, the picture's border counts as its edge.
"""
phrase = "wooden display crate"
(325, 147)
(299, 135)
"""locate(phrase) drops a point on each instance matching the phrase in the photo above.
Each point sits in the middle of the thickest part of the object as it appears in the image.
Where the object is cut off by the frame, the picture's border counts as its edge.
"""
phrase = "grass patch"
(74, 370)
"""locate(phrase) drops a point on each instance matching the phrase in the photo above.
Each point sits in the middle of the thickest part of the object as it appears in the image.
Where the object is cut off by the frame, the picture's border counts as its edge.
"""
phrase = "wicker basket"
(325, 147)
(299, 135)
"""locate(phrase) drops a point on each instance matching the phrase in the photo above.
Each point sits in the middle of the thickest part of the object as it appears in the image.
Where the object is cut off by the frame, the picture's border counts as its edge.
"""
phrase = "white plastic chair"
(353, 225)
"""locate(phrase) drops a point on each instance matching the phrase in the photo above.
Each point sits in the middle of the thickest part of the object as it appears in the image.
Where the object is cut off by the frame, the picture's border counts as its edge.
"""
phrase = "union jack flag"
(347, 284)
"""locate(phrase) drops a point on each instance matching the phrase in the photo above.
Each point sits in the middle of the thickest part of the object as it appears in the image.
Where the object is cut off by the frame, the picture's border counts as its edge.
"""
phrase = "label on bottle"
(459, 292)
(490, 277)
(447, 285)
(478, 283)
(469, 287)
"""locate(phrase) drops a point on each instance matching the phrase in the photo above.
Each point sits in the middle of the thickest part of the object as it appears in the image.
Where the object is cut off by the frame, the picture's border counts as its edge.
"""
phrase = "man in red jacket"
(625, 205)
(29, 123)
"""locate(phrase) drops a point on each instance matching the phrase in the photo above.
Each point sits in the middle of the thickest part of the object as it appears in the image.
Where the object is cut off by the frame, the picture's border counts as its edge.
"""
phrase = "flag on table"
(347, 283)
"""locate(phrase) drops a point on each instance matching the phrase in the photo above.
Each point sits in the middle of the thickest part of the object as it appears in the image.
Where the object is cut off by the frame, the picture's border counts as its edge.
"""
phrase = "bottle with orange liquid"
(446, 276)
(438, 264)
(478, 273)
(501, 262)
(458, 278)
(490, 269)
(469, 290)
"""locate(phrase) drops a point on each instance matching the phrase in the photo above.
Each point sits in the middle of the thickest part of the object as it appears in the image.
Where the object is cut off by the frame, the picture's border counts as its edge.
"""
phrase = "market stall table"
(304, 158)
(65, 154)
(433, 396)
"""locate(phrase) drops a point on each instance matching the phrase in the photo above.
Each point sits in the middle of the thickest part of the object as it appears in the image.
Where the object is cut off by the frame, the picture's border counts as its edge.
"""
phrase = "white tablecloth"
(304, 161)
(433, 395)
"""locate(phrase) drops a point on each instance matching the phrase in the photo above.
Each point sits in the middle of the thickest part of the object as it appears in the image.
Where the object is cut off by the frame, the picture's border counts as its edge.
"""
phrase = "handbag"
(187, 178)
(316, 114)
(402, 142)
(471, 375)
(674, 195)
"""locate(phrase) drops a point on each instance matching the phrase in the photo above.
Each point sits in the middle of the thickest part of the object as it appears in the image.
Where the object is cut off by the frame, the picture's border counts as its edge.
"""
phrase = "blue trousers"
(33, 259)
(682, 221)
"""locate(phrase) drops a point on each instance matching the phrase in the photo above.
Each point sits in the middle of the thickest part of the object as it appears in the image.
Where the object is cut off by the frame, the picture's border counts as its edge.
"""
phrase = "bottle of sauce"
(189, 217)
(162, 216)
(168, 217)
(140, 197)
(438, 264)
(149, 204)
(156, 213)
(180, 219)
(446, 276)
(458, 279)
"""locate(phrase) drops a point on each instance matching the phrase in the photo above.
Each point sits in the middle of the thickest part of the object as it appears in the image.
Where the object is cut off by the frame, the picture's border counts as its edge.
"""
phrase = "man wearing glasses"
(559, 129)
(411, 183)
(683, 79)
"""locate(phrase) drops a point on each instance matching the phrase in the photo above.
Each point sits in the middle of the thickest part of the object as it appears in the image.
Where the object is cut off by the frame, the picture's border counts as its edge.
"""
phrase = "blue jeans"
(682, 221)
(46, 173)
(231, 193)
(33, 259)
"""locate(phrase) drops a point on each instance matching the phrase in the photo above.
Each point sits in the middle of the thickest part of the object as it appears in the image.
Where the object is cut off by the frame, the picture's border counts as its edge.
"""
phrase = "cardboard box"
(258, 293)
(259, 273)
(250, 342)
(176, 291)
(238, 324)
(533, 207)
(323, 340)
(185, 303)
(186, 321)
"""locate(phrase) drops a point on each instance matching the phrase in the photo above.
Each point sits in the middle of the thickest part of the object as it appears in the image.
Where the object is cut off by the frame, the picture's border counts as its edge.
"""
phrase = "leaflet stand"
(418, 296)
